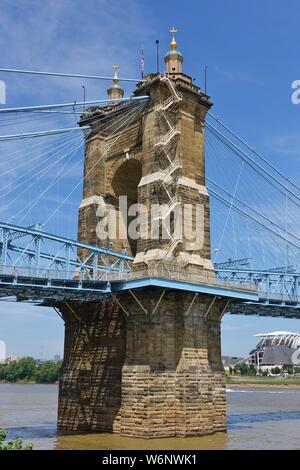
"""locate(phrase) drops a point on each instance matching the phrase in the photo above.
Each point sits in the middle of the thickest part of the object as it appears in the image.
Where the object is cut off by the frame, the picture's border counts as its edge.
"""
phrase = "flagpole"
(142, 62)
(157, 55)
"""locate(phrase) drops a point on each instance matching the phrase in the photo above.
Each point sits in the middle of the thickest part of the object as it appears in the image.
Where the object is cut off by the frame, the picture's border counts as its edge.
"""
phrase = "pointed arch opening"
(125, 183)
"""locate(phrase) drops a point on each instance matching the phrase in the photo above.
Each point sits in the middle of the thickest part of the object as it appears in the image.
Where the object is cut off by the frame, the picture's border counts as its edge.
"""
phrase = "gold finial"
(116, 78)
(173, 43)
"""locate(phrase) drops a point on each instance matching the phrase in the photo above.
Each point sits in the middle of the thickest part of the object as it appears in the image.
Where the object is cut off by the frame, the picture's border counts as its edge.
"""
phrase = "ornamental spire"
(116, 78)
(115, 91)
(173, 43)
(173, 58)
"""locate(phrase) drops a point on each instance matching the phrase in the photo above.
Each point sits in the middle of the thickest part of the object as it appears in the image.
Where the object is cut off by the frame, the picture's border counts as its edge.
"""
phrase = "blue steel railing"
(29, 252)
(30, 247)
(279, 286)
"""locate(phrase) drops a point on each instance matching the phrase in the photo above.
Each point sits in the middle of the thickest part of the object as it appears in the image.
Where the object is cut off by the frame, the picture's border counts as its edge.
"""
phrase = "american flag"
(142, 63)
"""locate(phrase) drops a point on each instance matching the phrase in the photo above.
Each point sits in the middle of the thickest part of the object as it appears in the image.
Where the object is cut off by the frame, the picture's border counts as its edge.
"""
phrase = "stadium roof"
(278, 333)
(280, 338)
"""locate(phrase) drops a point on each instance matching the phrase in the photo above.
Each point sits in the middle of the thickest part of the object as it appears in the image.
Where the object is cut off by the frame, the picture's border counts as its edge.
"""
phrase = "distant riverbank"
(28, 382)
(262, 382)
(235, 382)
(28, 371)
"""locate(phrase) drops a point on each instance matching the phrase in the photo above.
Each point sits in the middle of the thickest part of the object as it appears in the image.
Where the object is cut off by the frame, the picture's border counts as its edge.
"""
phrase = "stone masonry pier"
(157, 373)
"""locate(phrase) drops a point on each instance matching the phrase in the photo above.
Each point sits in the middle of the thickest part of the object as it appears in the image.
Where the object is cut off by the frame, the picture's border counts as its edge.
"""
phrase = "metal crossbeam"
(233, 263)
(282, 269)
(45, 251)
(50, 236)
(273, 286)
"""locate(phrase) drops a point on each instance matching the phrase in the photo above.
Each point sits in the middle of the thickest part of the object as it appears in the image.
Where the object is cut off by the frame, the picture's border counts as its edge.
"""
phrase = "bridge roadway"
(46, 269)
(250, 292)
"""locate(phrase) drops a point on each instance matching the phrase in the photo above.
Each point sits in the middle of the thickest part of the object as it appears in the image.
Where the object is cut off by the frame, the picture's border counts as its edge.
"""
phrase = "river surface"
(258, 418)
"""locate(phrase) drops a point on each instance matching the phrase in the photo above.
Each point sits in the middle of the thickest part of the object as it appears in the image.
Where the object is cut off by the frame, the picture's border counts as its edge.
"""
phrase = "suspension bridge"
(45, 268)
(142, 315)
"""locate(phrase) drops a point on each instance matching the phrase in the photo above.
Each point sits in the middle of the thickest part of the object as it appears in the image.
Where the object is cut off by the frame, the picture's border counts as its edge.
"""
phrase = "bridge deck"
(250, 295)
(48, 286)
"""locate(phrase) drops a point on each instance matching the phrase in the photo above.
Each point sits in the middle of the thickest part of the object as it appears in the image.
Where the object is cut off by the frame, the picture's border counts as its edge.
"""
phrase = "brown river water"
(258, 418)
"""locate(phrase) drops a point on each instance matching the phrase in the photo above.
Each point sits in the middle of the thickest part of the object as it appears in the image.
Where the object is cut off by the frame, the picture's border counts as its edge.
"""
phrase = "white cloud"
(286, 144)
(71, 36)
(60, 36)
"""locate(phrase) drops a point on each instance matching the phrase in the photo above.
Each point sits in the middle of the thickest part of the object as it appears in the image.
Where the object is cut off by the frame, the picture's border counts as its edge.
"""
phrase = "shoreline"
(27, 382)
(246, 384)
(261, 385)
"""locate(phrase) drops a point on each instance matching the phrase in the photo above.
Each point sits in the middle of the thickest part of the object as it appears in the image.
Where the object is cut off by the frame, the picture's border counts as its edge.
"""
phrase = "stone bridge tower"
(148, 362)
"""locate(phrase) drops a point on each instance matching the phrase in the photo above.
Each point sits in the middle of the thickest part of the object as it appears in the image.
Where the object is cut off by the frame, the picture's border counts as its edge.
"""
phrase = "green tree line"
(27, 370)
(245, 369)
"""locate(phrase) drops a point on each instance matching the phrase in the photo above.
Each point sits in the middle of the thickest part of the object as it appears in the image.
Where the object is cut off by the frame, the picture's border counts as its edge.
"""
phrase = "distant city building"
(57, 357)
(231, 361)
(274, 350)
(12, 358)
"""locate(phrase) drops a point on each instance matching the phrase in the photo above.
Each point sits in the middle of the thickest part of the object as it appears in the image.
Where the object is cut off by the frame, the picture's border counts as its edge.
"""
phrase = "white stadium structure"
(275, 349)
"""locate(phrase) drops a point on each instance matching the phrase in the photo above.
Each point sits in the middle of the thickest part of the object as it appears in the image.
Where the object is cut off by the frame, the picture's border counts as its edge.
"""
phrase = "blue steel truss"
(37, 266)
(283, 287)
(278, 292)
(39, 251)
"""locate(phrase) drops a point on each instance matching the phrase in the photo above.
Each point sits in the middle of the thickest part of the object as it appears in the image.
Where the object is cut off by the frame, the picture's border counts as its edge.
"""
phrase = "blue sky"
(250, 49)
